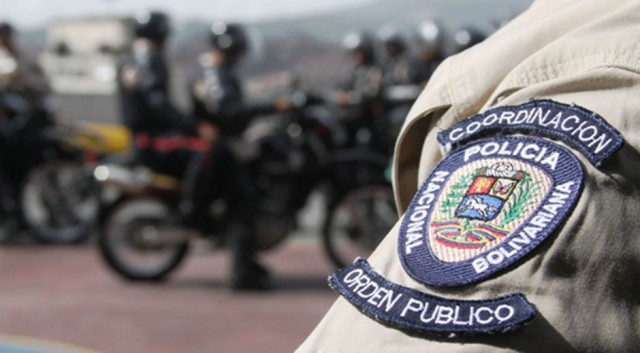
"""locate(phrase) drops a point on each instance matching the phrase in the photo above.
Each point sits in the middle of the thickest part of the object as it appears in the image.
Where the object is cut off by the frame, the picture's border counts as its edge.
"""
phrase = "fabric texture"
(583, 280)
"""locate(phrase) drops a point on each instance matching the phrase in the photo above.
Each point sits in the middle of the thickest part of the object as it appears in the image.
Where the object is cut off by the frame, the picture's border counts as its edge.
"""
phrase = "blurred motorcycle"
(358, 222)
(60, 198)
(290, 156)
(45, 182)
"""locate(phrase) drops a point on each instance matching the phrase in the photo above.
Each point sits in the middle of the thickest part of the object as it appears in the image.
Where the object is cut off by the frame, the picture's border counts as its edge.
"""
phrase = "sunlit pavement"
(65, 294)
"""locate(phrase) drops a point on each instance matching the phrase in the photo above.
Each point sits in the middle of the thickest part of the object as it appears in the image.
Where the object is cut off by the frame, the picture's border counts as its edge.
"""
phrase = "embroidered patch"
(581, 129)
(410, 310)
(486, 206)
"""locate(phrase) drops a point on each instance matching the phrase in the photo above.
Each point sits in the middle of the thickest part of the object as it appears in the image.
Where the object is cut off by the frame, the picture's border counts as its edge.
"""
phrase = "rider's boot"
(246, 272)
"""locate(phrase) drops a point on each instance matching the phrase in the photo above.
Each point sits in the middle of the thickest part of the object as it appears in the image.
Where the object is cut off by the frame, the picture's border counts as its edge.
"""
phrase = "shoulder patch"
(416, 312)
(486, 206)
(581, 129)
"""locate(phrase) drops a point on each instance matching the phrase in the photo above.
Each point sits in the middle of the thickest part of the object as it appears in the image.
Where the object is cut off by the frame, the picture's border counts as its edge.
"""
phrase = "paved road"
(65, 294)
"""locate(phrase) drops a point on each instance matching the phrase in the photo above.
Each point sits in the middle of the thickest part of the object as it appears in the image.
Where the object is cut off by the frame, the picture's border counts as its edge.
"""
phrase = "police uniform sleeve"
(570, 70)
(236, 114)
(149, 78)
(372, 90)
(160, 103)
(364, 85)
(218, 98)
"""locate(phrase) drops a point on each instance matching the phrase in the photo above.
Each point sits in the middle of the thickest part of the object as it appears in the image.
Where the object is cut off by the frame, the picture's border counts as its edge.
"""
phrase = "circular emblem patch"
(486, 206)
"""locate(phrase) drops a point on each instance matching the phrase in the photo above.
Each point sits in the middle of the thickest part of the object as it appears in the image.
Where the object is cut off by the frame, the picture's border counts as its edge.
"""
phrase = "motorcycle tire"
(357, 222)
(124, 247)
(9, 219)
(60, 202)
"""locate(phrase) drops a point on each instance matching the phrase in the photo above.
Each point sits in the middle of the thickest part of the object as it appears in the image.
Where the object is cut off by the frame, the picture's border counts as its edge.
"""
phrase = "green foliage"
(467, 225)
(521, 199)
(457, 192)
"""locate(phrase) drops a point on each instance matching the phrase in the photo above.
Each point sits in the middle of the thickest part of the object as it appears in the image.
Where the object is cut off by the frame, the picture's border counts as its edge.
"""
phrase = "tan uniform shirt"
(584, 279)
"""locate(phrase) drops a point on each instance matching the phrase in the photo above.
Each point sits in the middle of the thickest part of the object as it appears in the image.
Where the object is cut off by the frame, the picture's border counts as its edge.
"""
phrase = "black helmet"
(152, 25)
(467, 37)
(359, 41)
(430, 35)
(229, 38)
(6, 28)
(393, 39)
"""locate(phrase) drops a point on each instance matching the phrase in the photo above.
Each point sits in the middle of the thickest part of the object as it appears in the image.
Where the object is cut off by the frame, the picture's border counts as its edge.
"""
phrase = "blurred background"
(63, 292)
(303, 37)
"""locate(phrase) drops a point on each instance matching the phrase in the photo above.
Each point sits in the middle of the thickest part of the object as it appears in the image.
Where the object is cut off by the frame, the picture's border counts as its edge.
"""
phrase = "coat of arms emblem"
(485, 206)
(490, 190)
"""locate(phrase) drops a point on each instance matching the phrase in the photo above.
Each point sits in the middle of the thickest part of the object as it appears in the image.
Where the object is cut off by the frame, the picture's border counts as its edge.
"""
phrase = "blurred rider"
(220, 107)
(23, 113)
(359, 96)
(18, 74)
(402, 84)
(158, 126)
(430, 38)
(365, 81)
(399, 68)
(166, 140)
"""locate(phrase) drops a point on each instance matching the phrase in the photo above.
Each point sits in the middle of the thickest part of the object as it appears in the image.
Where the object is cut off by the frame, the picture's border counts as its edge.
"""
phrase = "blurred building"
(80, 60)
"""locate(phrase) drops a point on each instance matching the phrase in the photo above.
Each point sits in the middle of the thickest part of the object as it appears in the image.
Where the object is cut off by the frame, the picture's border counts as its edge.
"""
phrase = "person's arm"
(235, 115)
(221, 101)
(153, 87)
(364, 87)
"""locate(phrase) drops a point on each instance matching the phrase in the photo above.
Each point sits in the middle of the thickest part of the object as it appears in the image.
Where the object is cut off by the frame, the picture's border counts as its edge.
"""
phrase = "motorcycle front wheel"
(129, 241)
(358, 222)
(60, 202)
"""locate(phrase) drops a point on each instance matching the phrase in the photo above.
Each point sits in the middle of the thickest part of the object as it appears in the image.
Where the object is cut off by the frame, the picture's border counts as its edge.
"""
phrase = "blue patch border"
(423, 266)
(594, 157)
(410, 321)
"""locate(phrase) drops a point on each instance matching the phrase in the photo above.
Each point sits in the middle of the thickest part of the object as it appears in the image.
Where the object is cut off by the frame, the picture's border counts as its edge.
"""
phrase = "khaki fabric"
(585, 279)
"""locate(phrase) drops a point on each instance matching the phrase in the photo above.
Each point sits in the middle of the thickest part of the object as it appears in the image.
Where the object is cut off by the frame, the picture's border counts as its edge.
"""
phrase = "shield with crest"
(485, 206)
